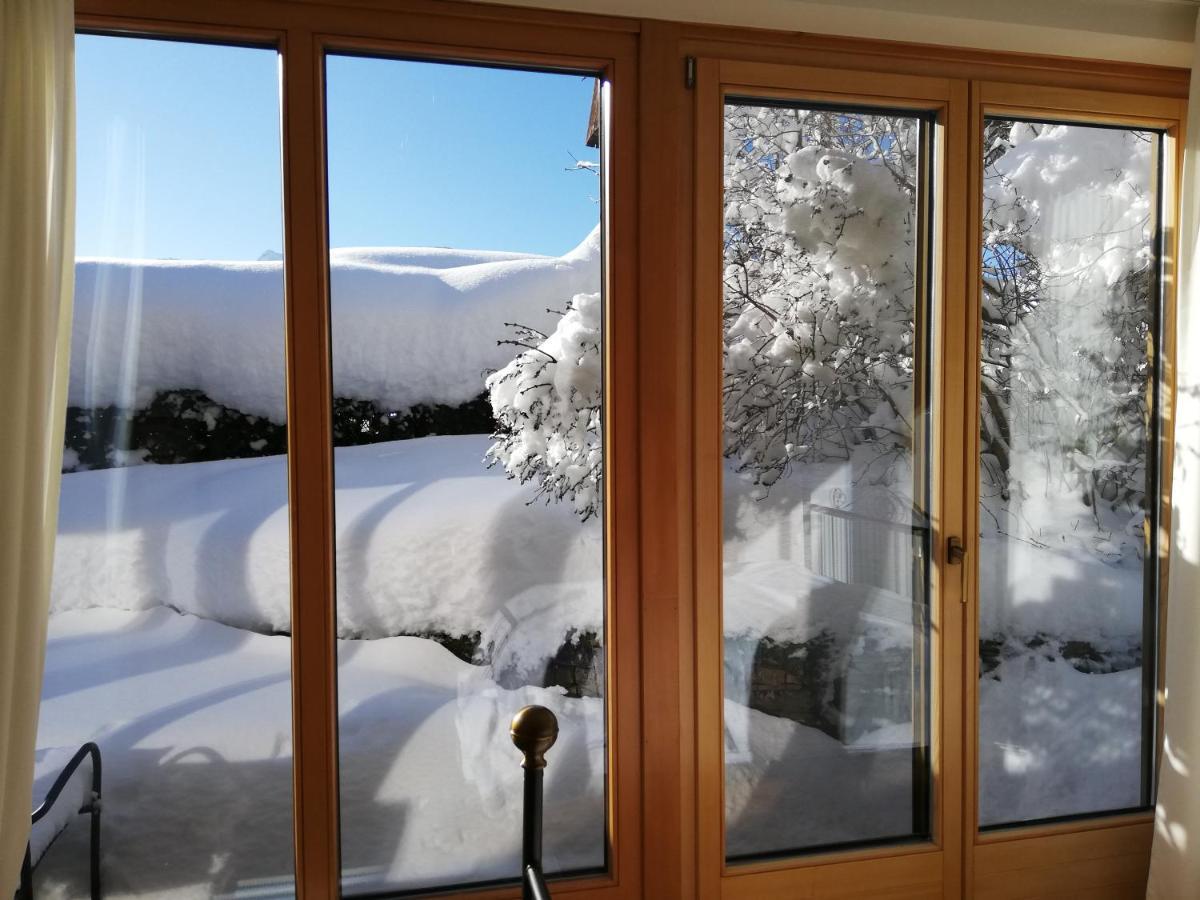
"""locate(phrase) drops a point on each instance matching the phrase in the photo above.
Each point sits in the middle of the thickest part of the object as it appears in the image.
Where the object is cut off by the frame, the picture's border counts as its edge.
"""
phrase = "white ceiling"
(1170, 20)
(1148, 31)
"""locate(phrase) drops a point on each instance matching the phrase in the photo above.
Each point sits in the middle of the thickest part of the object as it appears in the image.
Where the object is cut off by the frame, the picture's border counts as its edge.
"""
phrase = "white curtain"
(1175, 858)
(37, 173)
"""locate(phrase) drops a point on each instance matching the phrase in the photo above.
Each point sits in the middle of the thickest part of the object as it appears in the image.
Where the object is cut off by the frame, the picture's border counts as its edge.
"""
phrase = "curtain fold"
(1175, 857)
(37, 172)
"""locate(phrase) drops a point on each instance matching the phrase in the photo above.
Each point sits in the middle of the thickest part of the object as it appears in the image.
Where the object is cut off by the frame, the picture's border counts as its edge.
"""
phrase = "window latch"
(956, 551)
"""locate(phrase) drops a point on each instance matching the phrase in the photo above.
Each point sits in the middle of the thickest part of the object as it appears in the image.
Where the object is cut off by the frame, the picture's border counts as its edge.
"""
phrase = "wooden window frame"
(303, 33)
(1093, 853)
(914, 868)
(660, 583)
(1088, 852)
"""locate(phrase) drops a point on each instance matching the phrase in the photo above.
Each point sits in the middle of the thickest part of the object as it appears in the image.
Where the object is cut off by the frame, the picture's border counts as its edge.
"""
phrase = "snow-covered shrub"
(819, 294)
(819, 276)
(546, 403)
(1069, 275)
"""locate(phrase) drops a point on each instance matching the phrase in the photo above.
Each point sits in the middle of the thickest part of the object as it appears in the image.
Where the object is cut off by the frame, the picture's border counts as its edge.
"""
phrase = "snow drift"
(410, 325)
(428, 540)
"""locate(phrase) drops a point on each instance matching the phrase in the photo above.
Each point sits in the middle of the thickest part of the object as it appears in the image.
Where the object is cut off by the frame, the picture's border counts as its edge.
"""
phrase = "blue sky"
(178, 153)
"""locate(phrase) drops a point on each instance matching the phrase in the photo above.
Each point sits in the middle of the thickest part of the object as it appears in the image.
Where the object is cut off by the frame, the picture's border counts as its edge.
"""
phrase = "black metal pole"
(534, 731)
(95, 807)
(26, 890)
(531, 841)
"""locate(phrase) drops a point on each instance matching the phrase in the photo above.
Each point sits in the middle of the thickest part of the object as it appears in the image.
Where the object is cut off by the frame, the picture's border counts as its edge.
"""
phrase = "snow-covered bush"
(819, 304)
(819, 275)
(1069, 272)
(546, 403)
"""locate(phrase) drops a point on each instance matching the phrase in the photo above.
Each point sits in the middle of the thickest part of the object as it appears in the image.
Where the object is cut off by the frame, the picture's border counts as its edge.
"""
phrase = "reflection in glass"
(825, 488)
(467, 405)
(168, 633)
(1067, 468)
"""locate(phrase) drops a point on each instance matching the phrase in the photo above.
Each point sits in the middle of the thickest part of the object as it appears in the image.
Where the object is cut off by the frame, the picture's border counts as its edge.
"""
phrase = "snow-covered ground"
(170, 609)
(193, 718)
(194, 721)
(171, 588)
(428, 539)
(1054, 741)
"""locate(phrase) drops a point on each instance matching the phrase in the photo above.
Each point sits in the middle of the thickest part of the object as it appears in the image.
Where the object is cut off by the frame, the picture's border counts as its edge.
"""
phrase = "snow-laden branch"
(547, 408)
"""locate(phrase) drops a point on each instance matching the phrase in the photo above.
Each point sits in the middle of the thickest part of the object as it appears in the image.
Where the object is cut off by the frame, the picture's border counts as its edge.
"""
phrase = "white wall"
(1147, 31)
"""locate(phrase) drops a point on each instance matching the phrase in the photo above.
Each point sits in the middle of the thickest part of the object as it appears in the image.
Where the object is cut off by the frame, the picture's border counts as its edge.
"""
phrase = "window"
(826, 537)
(168, 639)
(796, 427)
(837, 575)
(1068, 469)
(468, 323)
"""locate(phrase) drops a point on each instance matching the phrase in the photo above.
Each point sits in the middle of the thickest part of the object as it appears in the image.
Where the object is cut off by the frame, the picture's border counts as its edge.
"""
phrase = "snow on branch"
(547, 408)
(818, 309)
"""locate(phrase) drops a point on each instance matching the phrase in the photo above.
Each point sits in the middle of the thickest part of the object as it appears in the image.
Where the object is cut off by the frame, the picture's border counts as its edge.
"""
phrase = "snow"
(170, 608)
(787, 602)
(827, 557)
(547, 406)
(1054, 741)
(194, 720)
(423, 257)
(187, 689)
(1027, 590)
(170, 588)
(428, 539)
(49, 764)
(409, 325)
(1090, 192)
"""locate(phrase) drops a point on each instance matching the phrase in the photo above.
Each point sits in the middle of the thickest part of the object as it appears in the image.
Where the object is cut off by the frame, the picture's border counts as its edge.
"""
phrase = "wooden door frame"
(660, 589)
(1097, 851)
(924, 867)
(1112, 848)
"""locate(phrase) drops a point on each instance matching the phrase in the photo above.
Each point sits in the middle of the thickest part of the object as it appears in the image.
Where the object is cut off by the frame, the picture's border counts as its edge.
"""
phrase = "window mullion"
(310, 455)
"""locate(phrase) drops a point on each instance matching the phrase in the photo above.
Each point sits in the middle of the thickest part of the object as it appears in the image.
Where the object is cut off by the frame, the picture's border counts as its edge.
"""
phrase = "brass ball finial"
(534, 730)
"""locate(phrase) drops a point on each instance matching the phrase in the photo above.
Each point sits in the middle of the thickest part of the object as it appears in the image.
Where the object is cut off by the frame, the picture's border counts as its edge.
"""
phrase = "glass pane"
(1067, 468)
(467, 405)
(168, 635)
(826, 534)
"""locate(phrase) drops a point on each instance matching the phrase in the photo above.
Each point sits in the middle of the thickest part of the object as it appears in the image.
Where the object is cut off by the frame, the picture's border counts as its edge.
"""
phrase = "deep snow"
(194, 721)
(156, 563)
(428, 539)
(409, 325)
(171, 586)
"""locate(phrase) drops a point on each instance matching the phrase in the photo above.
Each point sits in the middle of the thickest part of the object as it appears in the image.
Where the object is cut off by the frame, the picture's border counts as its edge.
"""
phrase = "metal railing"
(534, 730)
(92, 808)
